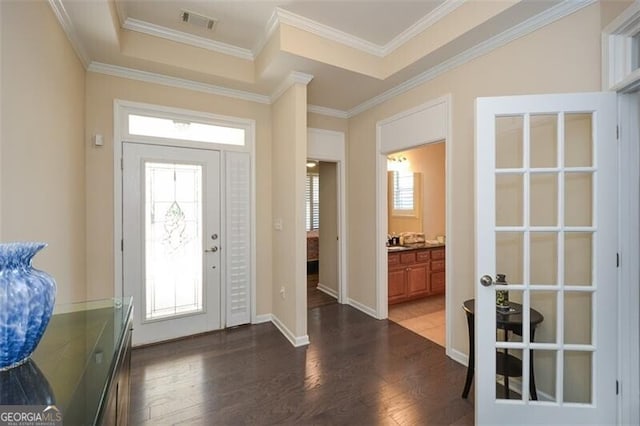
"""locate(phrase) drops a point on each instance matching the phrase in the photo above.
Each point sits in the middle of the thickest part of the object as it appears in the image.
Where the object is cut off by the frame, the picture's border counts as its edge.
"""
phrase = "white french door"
(171, 240)
(546, 217)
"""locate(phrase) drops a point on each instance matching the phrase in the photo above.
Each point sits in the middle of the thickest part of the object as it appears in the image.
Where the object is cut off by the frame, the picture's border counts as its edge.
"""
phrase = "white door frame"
(618, 74)
(424, 124)
(121, 109)
(329, 145)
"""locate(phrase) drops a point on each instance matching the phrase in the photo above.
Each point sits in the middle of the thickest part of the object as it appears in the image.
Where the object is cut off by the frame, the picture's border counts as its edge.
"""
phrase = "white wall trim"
(148, 28)
(547, 17)
(329, 112)
(70, 31)
(262, 318)
(422, 24)
(272, 25)
(459, 357)
(294, 77)
(441, 120)
(363, 308)
(327, 290)
(617, 51)
(149, 77)
(629, 250)
(295, 341)
(329, 145)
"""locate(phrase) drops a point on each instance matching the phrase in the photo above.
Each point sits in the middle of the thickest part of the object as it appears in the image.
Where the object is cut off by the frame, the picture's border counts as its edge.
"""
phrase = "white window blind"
(403, 191)
(313, 201)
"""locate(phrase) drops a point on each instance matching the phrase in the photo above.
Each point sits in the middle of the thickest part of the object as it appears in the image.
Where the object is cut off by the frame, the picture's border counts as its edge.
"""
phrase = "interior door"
(546, 218)
(171, 229)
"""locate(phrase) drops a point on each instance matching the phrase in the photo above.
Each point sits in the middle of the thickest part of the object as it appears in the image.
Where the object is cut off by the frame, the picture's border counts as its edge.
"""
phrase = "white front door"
(171, 230)
(546, 218)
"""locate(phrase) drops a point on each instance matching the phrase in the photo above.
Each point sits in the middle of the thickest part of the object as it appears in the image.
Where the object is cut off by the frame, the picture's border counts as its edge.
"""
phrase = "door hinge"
(122, 245)
(617, 387)
(617, 260)
(618, 132)
(121, 164)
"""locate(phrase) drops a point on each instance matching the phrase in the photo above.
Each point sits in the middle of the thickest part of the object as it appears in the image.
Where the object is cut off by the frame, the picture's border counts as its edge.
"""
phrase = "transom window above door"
(160, 127)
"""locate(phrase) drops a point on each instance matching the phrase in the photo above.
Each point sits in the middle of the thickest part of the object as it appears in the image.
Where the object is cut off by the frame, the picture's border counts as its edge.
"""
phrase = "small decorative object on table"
(502, 296)
(27, 297)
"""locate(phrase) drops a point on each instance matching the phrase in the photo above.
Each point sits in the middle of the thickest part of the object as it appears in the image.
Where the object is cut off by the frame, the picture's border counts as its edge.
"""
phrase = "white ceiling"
(242, 23)
(95, 27)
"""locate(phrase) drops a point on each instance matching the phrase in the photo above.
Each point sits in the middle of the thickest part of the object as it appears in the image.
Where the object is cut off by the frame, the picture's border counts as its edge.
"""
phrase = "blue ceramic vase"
(27, 296)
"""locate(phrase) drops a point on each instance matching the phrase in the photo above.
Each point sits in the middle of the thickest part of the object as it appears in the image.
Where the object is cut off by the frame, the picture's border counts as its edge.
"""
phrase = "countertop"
(394, 249)
(72, 366)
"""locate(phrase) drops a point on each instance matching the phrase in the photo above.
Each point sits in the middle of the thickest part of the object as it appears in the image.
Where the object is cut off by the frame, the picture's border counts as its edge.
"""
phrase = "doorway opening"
(416, 227)
(321, 223)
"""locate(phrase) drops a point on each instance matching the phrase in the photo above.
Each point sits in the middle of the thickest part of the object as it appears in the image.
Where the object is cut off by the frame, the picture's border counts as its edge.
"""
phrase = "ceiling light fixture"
(198, 20)
(312, 164)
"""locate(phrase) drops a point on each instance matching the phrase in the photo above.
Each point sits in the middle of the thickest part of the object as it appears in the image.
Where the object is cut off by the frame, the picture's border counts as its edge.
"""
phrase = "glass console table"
(81, 364)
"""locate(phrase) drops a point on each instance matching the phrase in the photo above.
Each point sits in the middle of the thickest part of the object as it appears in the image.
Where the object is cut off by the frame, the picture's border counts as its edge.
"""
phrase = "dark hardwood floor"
(315, 297)
(356, 371)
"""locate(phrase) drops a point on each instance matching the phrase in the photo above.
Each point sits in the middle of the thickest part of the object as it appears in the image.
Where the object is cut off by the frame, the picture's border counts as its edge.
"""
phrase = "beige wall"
(42, 170)
(328, 261)
(317, 121)
(289, 135)
(429, 161)
(100, 94)
(562, 57)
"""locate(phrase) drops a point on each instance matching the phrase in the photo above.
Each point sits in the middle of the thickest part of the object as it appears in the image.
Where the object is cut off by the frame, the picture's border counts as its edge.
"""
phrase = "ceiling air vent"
(198, 20)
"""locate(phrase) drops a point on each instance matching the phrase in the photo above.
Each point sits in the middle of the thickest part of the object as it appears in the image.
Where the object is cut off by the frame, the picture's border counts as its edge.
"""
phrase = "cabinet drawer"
(437, 254)
(437, 265)
(423, 255)
(393, 259)
(408, 258)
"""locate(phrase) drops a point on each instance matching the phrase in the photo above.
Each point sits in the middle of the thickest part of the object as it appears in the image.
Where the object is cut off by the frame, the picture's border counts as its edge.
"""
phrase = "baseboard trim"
(296, 341)
(458, 357)
(327, 290)
(362, 308)
(259, 319)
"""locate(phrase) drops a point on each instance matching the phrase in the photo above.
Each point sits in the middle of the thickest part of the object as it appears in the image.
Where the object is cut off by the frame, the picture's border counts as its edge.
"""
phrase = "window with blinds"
(404, 193)
(313, 201)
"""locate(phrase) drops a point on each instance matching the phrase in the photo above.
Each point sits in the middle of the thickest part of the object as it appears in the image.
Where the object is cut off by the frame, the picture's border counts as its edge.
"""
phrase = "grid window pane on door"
(173, 240)
(545, 233)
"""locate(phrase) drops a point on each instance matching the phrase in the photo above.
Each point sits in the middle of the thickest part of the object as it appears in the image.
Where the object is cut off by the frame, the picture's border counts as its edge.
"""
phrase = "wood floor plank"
(356, 371)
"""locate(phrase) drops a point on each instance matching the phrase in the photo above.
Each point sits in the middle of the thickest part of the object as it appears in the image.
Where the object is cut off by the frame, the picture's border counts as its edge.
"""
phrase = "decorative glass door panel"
(173, 240)
(171, 245)
(546, 248)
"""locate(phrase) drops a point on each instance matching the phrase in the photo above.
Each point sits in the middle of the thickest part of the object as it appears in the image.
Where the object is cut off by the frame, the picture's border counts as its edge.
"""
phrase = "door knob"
(212, 249)
(486, 280)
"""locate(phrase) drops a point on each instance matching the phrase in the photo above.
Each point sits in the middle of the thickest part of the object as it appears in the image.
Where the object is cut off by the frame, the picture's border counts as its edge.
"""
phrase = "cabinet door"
(418, 279)
(437, 282)
(397, 285)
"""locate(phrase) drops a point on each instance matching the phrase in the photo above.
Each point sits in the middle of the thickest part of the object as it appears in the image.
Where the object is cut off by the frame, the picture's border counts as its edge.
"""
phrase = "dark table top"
(510, 319)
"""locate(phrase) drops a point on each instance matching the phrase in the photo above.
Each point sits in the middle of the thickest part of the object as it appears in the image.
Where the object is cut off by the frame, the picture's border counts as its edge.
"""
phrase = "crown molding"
(422, 24)
(566, 8)
(330, 112)
(149, 77)
(69, 29)
(294, 77)
(327, 32)
(272, 25)
(185, 38)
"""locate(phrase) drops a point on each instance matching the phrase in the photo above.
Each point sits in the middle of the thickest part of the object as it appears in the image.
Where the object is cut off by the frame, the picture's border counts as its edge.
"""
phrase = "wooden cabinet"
(415, 273)
(116, 412)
